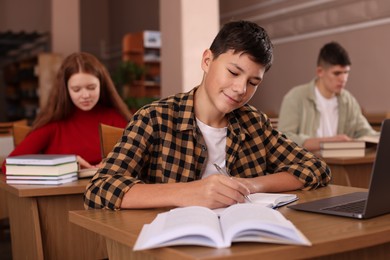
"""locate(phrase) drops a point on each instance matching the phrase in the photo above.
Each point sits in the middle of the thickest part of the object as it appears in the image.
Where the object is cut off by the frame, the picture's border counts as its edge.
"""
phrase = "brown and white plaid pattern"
(162, 144)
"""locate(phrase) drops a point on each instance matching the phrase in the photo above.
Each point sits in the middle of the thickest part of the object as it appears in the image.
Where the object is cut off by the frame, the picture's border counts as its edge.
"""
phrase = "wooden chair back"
(109, 136)
(274, 122)
(19, 132)
(6, 127)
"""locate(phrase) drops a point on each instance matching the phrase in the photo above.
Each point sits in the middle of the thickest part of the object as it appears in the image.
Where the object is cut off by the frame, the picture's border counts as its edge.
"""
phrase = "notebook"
(361, 205)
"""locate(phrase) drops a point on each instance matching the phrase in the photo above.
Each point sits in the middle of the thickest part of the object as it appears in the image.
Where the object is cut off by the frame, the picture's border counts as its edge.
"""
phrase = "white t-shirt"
(216, 144)
(329, 110)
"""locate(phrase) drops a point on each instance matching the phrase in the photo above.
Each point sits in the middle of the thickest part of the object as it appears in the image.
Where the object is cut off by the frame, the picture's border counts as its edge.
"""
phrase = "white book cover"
(42, 182)
(42, 170)
(41, 159)
(41, 177)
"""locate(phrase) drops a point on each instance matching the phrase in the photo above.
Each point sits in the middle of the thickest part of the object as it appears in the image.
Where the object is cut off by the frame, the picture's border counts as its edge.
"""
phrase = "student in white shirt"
(323, 110)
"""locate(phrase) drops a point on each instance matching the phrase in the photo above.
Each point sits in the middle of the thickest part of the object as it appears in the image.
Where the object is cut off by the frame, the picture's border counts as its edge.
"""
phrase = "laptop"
(361, 205)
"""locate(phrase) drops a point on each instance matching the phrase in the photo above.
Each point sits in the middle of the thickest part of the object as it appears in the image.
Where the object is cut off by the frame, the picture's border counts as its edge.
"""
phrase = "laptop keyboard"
(351, 207)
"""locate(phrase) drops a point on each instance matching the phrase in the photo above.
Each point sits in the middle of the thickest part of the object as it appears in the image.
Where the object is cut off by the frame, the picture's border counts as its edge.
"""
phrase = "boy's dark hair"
(333, 54)
(246, 37)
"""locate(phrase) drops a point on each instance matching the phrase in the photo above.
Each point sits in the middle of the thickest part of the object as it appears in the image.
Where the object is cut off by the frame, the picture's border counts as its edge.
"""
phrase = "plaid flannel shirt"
(162, 144)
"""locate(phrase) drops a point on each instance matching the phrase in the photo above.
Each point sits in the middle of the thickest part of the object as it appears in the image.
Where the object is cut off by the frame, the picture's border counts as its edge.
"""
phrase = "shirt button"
(204, 148)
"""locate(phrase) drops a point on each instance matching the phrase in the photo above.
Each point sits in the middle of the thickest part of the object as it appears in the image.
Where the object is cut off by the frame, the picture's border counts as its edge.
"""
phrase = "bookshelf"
(143, 48)
(27, 83)
(21, 89)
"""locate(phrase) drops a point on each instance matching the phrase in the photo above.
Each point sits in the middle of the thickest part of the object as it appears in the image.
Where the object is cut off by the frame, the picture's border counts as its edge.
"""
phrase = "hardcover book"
(343, 145)
(327, 153)
(42, 181)
(42, 170)
(40, 159)
(353, 148)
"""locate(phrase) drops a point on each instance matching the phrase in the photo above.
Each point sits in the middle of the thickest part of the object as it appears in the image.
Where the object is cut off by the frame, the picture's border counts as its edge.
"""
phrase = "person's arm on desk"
(215, 191)
(125, 181)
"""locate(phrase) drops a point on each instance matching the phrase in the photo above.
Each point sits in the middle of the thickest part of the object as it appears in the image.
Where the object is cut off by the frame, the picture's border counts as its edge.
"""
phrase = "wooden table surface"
(333, 236)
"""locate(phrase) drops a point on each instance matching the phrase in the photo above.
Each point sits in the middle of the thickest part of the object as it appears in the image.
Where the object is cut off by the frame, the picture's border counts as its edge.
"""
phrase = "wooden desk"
(335, 237)
(352, 171)
(40, 228)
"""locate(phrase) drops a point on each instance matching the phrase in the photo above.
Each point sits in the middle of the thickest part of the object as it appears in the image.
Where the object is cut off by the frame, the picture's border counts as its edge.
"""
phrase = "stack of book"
(52, 169)
(355, 148)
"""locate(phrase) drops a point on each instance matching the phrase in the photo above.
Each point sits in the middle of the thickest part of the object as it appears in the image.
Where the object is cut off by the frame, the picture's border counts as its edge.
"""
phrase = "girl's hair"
(60, 105)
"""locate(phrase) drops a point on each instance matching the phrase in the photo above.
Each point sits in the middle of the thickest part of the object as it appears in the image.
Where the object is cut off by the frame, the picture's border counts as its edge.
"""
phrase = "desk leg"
(26, 235)
(3, 205)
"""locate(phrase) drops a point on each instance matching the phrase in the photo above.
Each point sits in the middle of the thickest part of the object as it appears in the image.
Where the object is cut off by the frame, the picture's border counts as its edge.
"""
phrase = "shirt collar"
(187, 116)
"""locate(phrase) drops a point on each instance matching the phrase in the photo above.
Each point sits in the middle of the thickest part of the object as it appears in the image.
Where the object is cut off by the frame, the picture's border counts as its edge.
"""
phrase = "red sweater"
(79, 134)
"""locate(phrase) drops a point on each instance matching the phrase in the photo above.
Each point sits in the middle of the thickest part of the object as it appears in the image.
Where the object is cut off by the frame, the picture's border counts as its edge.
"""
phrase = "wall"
(23, 15)
(300, 28)
(184, 40)
(65, 27)
(94, 27)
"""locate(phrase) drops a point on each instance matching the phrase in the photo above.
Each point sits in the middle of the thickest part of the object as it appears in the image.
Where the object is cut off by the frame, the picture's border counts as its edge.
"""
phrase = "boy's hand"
(215, 191)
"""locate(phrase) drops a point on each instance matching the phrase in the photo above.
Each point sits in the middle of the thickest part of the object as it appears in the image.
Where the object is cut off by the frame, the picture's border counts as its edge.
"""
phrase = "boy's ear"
(206, 59)
(319, 71)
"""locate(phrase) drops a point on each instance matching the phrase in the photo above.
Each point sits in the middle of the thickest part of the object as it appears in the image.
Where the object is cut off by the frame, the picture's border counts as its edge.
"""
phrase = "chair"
(19, 132)
(6, 131)
(6, 127)
(109, 136)
(274, 121)
(6, 137)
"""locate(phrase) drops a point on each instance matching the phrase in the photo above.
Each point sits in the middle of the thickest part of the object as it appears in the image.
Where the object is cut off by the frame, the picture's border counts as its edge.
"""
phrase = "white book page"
(182, 226)
(251, 222)
(272, 199)
(268, 200)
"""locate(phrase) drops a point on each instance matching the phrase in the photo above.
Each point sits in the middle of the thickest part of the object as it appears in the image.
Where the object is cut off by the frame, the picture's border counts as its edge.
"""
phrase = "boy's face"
(231, 79)
(332, 79)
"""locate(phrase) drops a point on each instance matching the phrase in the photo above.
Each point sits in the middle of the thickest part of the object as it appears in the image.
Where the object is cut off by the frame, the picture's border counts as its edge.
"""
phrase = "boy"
(167, 153)
(322, 110)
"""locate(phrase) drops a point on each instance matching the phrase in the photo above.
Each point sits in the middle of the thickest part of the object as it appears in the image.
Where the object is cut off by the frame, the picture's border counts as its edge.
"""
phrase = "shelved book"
(354, 148)
(195, 225)
(41, 169)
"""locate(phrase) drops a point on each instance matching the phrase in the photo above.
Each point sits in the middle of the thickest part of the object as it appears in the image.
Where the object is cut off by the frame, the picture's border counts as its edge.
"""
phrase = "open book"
(270, 200)
(246, 222)
(371, 141)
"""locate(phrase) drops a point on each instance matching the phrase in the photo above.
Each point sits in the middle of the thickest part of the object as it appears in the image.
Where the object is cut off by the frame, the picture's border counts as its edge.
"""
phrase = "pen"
(221, 171)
